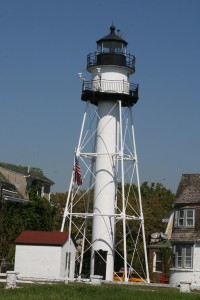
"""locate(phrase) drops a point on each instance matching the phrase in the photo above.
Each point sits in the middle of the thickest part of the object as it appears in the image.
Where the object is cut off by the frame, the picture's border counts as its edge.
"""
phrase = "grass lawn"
(84, 292)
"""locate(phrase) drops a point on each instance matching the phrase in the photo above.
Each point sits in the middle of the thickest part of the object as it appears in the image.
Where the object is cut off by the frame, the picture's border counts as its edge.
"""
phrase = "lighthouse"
(106, 165)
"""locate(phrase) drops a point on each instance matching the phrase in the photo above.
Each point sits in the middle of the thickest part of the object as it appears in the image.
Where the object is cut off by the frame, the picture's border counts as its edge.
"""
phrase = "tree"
(17, 217)
(58, 201)
(157, 202)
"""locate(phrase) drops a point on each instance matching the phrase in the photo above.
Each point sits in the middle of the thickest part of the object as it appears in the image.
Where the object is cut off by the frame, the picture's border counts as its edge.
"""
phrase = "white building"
(45, 255)
(186, 232)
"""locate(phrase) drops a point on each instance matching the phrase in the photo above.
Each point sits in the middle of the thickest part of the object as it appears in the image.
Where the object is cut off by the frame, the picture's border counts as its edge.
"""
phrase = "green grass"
(85, 292)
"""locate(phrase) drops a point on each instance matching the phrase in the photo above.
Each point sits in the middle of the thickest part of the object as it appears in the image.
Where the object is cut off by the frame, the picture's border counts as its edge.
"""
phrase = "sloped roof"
(42, 238)
(185, 235)
(188, 191)
(27, 171)
(9, 191)
(112, 36)
(161, 244)
(4, 183)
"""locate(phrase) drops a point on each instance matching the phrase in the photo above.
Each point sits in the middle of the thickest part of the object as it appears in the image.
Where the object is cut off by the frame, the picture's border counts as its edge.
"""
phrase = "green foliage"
(166, 256)
(157, 202)
(58, 201)
(17, 217)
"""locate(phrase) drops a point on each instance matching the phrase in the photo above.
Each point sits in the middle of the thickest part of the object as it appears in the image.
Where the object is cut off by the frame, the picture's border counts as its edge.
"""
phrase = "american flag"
(77, 173)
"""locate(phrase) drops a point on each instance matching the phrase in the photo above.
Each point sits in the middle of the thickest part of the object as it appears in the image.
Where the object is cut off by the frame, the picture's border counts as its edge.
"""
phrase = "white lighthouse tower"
(104, 209)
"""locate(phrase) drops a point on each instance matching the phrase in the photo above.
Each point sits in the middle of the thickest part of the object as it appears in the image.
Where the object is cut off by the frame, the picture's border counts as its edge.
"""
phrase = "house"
(8, 191)
(185, 237)
(159, 252)
(44, 255)
(16, 182)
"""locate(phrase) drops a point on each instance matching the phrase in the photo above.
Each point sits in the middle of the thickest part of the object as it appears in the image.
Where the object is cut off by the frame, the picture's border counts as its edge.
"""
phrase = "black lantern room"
(111, 52)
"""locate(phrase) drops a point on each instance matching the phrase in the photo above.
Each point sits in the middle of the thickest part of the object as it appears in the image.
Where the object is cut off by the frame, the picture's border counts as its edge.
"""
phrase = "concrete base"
(96, 279)
(185, 286)
(11, 279)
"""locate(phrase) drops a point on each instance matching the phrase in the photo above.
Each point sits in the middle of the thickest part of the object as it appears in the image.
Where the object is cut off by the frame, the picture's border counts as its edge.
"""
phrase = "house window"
(182, 256)
(157, 262)
(184, 218)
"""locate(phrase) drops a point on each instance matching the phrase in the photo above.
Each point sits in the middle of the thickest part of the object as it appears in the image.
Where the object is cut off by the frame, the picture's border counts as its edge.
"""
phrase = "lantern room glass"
(111, 47)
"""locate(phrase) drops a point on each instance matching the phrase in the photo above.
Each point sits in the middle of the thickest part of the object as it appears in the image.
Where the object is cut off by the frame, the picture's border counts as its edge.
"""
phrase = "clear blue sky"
(44, 44)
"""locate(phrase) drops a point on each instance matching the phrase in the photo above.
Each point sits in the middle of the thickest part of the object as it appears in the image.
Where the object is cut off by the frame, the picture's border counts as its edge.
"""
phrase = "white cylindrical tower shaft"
(105, 186)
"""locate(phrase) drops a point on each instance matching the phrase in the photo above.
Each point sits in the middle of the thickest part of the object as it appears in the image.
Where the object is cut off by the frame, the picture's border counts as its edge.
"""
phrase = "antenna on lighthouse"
(105, 211)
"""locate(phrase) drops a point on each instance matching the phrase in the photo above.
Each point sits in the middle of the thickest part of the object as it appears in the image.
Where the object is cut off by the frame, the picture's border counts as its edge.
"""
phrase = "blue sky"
(44, 44)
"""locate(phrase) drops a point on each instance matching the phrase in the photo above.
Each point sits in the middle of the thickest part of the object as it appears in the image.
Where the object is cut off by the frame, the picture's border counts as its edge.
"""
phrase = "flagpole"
(69, 241)
(67, 202)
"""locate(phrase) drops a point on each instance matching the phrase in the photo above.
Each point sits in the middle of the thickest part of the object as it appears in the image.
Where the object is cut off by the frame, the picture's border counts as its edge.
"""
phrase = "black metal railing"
(98, 58)
(110, 86)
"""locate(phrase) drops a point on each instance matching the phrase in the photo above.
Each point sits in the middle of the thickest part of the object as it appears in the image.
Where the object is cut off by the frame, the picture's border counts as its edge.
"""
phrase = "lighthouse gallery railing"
(128, 60)
(110, 86)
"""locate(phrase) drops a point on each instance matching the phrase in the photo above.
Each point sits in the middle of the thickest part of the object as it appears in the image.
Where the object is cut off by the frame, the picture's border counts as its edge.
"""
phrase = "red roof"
(42, 238)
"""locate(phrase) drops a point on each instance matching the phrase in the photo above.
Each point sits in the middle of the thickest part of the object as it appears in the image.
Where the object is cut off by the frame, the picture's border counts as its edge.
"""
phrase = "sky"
(43, 46)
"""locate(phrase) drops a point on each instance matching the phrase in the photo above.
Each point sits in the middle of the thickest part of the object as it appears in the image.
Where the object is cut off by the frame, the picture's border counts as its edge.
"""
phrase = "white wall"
(38, 261)
(191, 275)
(65, 250)
(113, 79)
(47, 262)
(196, 265)
(178, 275)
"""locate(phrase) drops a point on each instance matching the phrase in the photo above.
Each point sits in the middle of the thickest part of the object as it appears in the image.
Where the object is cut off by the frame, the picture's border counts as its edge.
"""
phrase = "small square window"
(190, 217)
(182, 256)
(184, 218)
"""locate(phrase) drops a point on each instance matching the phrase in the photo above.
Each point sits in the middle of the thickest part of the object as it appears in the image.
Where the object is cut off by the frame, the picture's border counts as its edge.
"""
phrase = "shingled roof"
(35, 173)
(188, 190)
(186, 235)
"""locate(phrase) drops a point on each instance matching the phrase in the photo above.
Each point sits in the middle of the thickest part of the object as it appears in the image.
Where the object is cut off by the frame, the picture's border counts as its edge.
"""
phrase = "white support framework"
(129, 242)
